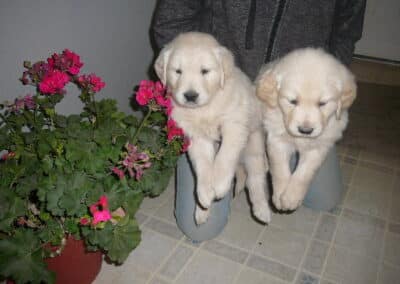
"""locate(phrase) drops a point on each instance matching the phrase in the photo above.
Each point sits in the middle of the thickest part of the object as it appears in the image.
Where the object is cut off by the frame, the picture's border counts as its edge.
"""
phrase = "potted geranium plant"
(82, 175)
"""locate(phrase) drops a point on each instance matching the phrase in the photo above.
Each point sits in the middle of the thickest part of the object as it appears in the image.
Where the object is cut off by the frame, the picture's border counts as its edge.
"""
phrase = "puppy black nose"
(305, 130)
(191, 96)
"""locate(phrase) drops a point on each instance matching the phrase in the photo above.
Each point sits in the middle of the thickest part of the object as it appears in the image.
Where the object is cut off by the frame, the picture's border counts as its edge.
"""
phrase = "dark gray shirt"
(258, 31)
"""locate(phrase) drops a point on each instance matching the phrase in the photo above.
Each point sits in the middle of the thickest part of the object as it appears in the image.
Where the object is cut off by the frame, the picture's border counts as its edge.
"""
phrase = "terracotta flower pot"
(75, 264)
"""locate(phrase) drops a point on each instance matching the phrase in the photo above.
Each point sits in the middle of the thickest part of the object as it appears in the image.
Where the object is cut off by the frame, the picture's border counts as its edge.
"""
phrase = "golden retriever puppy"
(216, 106)
(306, 95)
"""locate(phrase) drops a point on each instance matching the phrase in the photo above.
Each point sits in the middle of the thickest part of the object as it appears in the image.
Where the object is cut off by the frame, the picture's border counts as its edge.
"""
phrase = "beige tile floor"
(357, 243)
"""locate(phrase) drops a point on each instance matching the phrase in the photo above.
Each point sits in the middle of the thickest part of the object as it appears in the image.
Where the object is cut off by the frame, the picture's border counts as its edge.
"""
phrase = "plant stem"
(141, 126)
(95, 109)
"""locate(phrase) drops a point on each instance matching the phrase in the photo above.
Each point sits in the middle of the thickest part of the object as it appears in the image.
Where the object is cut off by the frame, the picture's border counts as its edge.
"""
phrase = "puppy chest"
(208, 129)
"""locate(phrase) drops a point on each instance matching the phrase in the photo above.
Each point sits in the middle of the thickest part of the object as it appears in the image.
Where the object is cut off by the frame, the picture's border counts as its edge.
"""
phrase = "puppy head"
(194, 67)
(310, 87)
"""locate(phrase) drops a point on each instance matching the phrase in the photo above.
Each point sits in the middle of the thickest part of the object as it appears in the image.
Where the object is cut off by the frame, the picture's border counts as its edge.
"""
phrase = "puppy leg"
(233, 141)
(255, 163)
(297, 187)
(201, 215)
(241, 177)
(202, 154)
(279, 156)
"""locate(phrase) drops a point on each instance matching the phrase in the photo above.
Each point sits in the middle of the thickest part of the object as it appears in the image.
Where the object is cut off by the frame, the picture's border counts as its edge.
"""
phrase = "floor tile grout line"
(251, 251)
(353, 251)
(190, 259)
(339, 220)
(386, 232)
(300, 266)
(159, 205)
(374, 162)
(157, 270)
(232, 245)
(358, 211)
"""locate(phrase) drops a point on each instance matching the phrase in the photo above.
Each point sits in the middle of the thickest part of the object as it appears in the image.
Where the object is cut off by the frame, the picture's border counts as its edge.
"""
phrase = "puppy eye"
(293, 102)
(204, 71)
(178, 71)
(320, 104)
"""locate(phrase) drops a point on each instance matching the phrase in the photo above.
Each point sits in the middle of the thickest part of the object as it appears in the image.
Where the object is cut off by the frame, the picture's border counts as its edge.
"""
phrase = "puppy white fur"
(306, 95)
(215, 102)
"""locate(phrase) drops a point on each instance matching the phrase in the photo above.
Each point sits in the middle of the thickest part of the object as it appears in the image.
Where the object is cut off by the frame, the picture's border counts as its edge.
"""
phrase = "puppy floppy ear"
(226, 62)
(267, 88)
(348, 94)
(161, 63)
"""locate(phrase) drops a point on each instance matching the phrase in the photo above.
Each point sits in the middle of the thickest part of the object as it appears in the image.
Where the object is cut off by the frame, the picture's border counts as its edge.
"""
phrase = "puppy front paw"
(201, 215)
(222, 186)
(276, 199)
(290, 200)
(262, 212)
(279, 187)
(206, 196)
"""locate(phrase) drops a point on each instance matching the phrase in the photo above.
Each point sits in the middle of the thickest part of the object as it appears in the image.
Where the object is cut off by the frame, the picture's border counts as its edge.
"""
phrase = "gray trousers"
(324, 194)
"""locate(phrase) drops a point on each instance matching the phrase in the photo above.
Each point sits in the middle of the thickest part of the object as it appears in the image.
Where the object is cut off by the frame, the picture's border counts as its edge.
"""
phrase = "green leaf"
(124, 238)
(71, 225)
(100, 237)
(11, 207)
(71, 202)
(45, 185)
(60, 121)
(73, 188)
(53, 196)
(43, 149)
(47, 164)
(132, 202)
(26, 185)
(131, 120)
(73, 119)
(21, 259)
(148, 137)
(52, 233)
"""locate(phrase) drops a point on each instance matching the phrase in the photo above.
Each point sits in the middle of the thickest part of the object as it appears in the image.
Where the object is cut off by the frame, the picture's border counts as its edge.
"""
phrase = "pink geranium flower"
(120, 173)
(145, 92)
(135, 162)
(149, 90)
(67, 61)
(100, 210)
(84, 221)
(173, 130)
(91, 82)
(36, 72)
(7, 156)
(26, 102)
(54, 83)
(17, 106)
(29, 102)
(186, 144)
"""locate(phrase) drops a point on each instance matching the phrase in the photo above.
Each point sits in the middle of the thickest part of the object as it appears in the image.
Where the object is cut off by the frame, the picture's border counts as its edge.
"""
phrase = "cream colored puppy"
(306, 95)
(215, 102)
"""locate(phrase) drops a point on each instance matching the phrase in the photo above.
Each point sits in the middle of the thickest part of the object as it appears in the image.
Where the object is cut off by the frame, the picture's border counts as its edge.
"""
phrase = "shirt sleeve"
(347, 29)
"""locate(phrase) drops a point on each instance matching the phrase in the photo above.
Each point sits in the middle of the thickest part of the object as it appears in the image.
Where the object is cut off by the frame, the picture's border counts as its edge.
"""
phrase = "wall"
(381, 35)
(111, 37)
